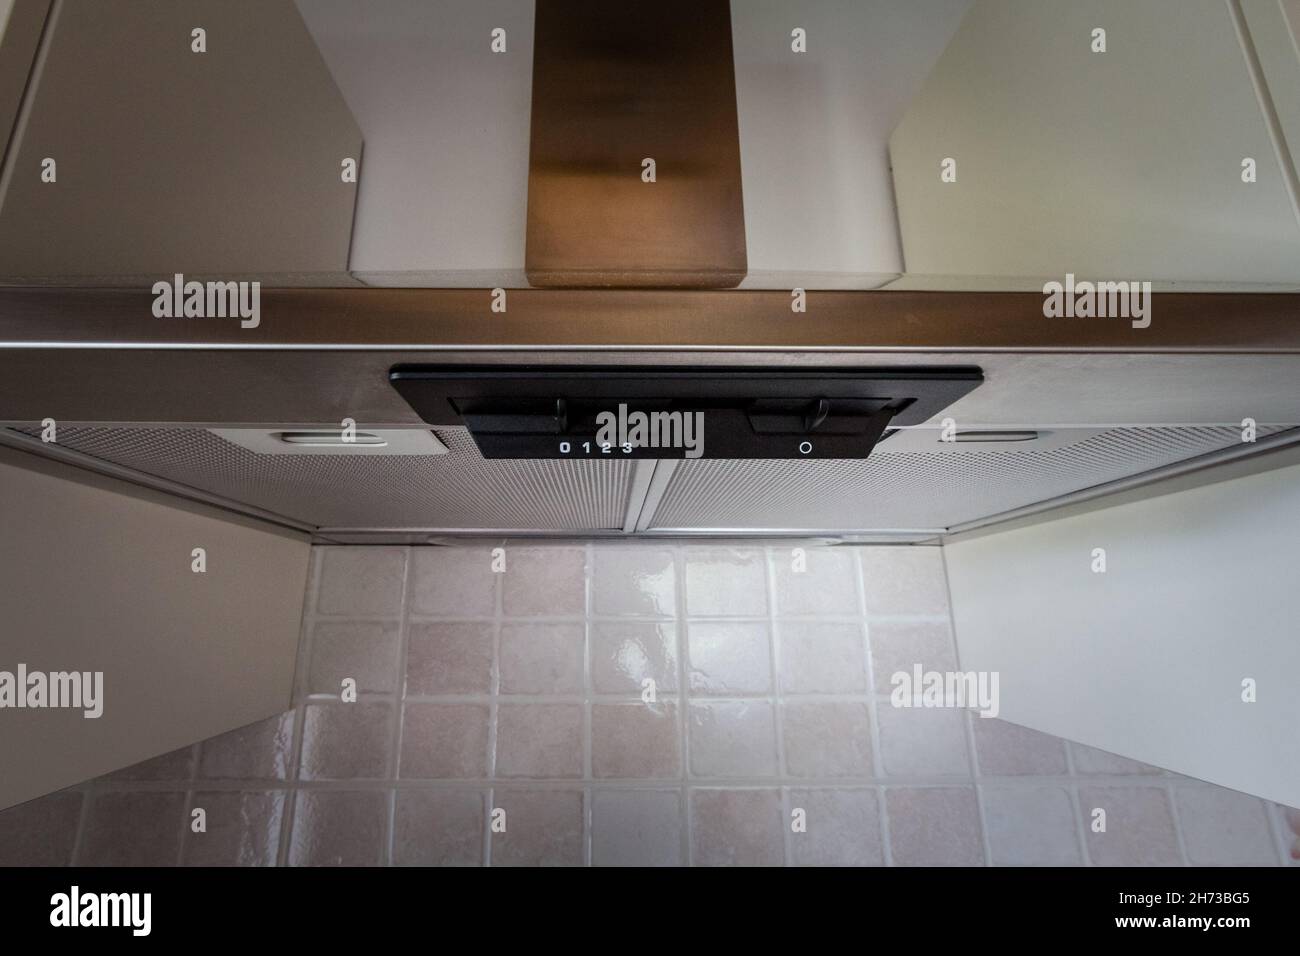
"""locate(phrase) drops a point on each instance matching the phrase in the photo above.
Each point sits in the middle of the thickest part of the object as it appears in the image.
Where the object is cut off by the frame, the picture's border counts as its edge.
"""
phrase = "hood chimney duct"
(634, 163)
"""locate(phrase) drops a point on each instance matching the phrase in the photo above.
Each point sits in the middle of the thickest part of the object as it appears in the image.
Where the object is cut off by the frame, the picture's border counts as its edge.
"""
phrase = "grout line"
(1176, 817)
(1081, 828)
(1072, 792)
(325, 700)
(681, 647)
(277, 784)
(972, 762)
(299, 708)
(589, 571)
(972, 751)
(83, 811)
(873, 707)
(787, 831)
(398, 715)
(1278, 829)
(430, 618)
(494, 691)
(778, 705)
(187, 810)
(774, 661)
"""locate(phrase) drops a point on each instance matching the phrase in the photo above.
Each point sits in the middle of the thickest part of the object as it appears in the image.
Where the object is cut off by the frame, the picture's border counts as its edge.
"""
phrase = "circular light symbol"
(805, 447)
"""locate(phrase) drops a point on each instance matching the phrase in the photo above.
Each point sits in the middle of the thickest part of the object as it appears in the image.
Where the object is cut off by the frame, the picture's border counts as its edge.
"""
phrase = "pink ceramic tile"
(934, 826)
(339, 828)
(1004, 748)
(634, 581)
(243, 829)
(737, 827)
(452, 582)
(635, 740)
(545, 582)
(40, 832)
(346, 741)
(1031, 826)
(449, 658)
(132, 829)
(1089, 761)
(900, 646)
(818, 657)
(636, 828)
(361, 582)
(1287, 821)
(542, 659)
(541, 828)
(444, 741)
(840, 828)
(827, 738)
(542, 741)
(904, 581)
(923, 742)
(438, 828)
(825, 586)
(626, 654)
(365, 651)
(1139, 826)
(732, 738)
(729, 658)
(175, 766)
(726, 581)
(1224, 828)
(263, 750)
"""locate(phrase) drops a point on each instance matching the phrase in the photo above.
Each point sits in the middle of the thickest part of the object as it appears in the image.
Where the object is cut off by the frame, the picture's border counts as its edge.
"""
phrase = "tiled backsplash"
(512, 689)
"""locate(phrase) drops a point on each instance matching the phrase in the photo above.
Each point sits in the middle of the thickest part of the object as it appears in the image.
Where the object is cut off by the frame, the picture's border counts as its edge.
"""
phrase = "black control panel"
(675, 412)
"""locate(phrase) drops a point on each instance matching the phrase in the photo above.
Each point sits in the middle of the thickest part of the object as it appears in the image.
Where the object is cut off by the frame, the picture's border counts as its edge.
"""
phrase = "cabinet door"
(101, 579)
(1110, 140)
(154, 138)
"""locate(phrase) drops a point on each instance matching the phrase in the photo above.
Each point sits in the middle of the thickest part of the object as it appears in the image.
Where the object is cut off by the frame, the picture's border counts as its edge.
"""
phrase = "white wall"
(95, 575)
(814, 132)
(444, 181)
(1147, 659)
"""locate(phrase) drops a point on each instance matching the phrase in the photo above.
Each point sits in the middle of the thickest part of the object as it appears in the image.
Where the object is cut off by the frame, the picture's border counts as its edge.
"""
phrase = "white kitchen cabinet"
(1116, 165)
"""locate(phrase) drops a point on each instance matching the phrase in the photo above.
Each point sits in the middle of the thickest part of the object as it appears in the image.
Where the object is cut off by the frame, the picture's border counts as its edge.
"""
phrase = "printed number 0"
(564, 448)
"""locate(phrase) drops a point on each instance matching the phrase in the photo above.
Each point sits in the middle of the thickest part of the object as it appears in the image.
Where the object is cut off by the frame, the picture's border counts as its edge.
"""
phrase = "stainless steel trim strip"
(363, 319)
(56, 452)
(1199, 463)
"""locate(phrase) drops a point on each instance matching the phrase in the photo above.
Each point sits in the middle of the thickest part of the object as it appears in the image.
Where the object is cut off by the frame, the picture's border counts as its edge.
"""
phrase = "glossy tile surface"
(650, 704)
